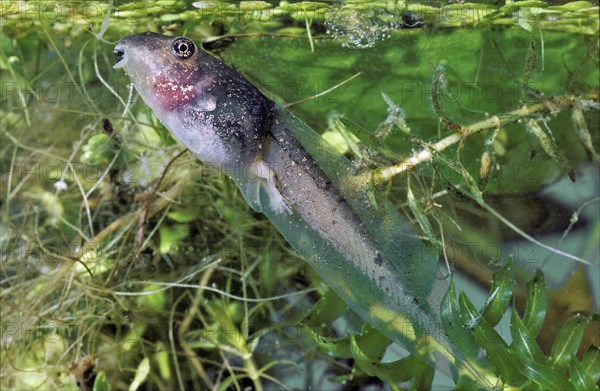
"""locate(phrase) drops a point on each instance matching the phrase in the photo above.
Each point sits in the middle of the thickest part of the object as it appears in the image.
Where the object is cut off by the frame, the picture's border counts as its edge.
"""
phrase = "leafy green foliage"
(520, 363)
(537, 299)
(567, 341)
(201, 243)
(101, 383)
(591, 363)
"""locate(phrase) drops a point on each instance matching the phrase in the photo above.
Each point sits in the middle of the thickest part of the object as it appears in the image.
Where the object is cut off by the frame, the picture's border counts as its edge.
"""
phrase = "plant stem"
(551, 106)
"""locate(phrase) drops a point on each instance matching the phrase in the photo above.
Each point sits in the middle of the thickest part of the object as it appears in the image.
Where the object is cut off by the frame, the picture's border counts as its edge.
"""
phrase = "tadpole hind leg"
(266, 178)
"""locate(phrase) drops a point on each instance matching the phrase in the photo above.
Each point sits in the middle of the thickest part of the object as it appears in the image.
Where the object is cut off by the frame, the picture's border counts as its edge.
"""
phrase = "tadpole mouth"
(120, 54)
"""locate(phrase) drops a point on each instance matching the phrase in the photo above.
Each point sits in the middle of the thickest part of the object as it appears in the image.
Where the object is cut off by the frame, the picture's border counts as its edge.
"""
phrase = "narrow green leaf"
(329, 307)
(471, 183)
(420, 215)
(355, 136)
(372, 342)
(395, 118)
(101, 383)
(543, 375)
(500, 294)
(524, 344)
(170, 236)
(141, 374)
(462, 171)
(550, 147)
(466, 383)
(423, 381)
(492, 343)
(393, 372)
(379, 149)
(591, 363)
(567, 341)
(530, 61)
(537, 299)
(579, 378)
(572, 6)
(584, 133)
(162, 359)
(184, 215)
(366, 363)
(453, 324)
(336, 347)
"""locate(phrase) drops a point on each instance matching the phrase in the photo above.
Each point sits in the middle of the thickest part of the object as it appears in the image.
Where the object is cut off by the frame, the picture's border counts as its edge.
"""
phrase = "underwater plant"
(126, 263)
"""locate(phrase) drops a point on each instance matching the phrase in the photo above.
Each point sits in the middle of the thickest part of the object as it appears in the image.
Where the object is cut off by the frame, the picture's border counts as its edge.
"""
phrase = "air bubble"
(360, 29)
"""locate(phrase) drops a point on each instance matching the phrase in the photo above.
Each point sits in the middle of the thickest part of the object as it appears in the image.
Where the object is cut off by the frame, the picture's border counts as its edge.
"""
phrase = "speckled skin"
(216, 113)
(225, 121)
(198, 94)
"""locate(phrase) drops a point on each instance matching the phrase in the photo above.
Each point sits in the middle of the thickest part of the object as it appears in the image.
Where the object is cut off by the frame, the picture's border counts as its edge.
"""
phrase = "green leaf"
(99, 150)
(400, 370)
(567, 341)
(550, 147)
(490, 341)
(591, 363)
(579, 378)
(329, 307)
(153, 301)
(182, 215)
(170, 236)
(420, 215)
(572, 6)
(336, 347)
(524, 344)
(162, 358)
(543, 375)
(101, 382)
(140, 374)
(463, 172)
(362, 141)
(583, 133)
(372, 343)
(537, 300)
(452, 322)
(500, 294)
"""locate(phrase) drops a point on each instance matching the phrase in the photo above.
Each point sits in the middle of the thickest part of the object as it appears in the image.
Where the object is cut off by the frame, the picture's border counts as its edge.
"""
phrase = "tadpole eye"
(183, 48)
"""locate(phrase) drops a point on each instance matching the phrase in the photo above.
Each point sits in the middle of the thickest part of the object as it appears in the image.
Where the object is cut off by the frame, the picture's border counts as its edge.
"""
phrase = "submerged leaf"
(496, 349)
(405, 369)
(550, 147)
(537, 299)
(329, 307)
(579, 378)
(567, 341)
(591, 363)
(524, 344)
(372, 343)
(583, 133)
(500, 294)
(543, 375)
(337, 347)
(140, 374)
(462, 171)
(420, 215)
(453, 324)
(170, 236)
(101, 383)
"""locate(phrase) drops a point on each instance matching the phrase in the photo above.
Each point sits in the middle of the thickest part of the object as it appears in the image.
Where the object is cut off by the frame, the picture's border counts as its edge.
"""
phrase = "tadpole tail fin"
(368, 254)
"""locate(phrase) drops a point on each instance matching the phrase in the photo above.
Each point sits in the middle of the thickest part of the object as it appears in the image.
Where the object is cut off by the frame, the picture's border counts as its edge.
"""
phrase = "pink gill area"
(172, 95)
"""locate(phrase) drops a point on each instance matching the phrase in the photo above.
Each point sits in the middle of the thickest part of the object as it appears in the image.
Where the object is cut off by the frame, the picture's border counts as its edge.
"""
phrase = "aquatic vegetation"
(127, 264)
